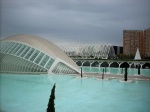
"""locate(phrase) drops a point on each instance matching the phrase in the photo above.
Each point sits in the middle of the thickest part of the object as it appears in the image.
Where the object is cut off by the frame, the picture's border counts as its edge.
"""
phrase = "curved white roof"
(88, 50)
(43, 45)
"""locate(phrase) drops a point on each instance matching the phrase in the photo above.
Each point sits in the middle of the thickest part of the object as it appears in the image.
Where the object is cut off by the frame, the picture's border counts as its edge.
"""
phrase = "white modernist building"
(31, 54)
(98, 51)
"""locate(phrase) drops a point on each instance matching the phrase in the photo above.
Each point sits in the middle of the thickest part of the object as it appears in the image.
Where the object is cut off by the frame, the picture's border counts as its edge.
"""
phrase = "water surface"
(30, 93)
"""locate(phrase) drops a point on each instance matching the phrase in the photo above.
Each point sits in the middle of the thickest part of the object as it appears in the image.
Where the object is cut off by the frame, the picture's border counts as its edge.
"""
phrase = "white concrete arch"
(36, 53)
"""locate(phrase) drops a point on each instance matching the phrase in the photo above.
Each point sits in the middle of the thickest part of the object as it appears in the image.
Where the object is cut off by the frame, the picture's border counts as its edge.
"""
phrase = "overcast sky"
(86, 21)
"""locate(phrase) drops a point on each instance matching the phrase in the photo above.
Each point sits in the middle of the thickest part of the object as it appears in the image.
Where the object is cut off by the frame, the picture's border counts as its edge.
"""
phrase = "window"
(16, 49)
(29, 53)
(12, 48)
(8, 47)
(50, 62)
(34, 55)
(38, 59)
(20, 50)
(4, 46)
(25, 51)
(44, 60)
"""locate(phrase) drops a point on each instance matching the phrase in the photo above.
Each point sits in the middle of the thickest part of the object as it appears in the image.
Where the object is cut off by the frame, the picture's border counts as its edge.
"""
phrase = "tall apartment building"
(147, 42)
(133, 39)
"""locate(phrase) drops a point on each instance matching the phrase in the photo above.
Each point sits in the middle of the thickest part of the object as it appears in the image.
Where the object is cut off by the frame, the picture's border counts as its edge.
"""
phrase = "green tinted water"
(110, 70)
(30, 93)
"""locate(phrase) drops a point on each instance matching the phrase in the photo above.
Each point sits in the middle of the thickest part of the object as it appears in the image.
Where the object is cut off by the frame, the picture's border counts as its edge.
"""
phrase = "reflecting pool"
(30, 93)
(111, 70)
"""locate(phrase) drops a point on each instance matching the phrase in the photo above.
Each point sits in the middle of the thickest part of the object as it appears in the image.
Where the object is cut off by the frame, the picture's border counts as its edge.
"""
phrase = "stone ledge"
(125, 81)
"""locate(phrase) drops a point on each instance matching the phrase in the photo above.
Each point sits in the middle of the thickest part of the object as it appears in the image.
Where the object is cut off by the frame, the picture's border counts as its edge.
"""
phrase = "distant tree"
(121, 56)
(51, 105)
(117, 56)
(124, 56)
(131, 56)
(142, 56)
(127, 56)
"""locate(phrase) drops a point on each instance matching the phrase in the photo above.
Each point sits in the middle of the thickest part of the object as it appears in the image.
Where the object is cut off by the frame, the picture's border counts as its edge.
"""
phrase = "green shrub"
(51, 104)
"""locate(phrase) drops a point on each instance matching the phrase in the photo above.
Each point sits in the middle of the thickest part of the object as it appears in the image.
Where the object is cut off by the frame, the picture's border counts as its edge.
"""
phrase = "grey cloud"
(74, 20)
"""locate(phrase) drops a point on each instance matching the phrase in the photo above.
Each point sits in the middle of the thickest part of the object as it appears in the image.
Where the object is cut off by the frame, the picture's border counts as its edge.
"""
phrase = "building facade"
(133, 39)
(118, 50)
(147, 42)
(31, 54)
(88, 51)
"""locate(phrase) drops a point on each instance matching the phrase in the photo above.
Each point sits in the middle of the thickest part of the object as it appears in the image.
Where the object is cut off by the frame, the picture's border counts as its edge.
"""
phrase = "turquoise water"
(110, 70)
(30, 93)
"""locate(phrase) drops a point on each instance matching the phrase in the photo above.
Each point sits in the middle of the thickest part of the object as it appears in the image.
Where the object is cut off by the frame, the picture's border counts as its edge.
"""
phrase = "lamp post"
(103, 74)
(81, 72)
(139, 69)
(126, 73)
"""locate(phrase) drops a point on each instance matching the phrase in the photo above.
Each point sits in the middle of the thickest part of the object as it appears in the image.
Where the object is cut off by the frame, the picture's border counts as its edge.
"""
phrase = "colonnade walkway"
(112, 63)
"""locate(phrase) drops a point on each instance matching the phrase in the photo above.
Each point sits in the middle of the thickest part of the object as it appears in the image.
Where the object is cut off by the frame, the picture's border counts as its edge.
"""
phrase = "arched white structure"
(89, 50)
(31, 54)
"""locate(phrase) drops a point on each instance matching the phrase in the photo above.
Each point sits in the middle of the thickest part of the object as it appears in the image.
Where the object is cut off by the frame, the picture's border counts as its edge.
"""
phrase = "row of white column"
(109, 63)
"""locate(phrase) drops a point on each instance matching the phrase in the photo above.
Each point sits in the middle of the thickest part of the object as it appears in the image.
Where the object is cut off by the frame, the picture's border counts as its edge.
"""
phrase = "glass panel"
(29, 53)
(34, 55)
(4, 46)
(12, 48)
(8, 47)
(49, 63)
(21, 45)
(25, 51)
(1, 57)
(44, 60)
(38, 59)
(20, 50)
(16, 49)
